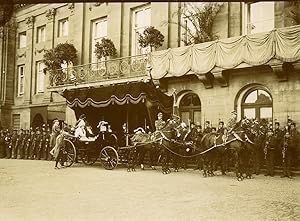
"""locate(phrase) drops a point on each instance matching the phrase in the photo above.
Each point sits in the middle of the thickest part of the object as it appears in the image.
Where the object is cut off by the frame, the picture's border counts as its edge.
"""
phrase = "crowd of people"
(272, 147)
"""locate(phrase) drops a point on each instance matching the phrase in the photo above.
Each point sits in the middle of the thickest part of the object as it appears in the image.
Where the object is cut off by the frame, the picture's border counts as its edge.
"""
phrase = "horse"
(209, 156)
(142, 144)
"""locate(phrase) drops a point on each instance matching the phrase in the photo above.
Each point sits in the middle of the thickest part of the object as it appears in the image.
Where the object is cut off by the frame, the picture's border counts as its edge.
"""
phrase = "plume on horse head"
(140, 136)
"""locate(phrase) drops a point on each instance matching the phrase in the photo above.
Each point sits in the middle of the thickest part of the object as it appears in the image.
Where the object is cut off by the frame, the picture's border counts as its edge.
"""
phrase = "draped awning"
(119, 94)
(255, 49)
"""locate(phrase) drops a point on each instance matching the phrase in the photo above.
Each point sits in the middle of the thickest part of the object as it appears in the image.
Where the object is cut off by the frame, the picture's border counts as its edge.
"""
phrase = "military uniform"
(8, 144)
(14, 144)
(270, 146)
(159, 124)
(207, 128)
(287, 149)
(21, 141)
(2, 145)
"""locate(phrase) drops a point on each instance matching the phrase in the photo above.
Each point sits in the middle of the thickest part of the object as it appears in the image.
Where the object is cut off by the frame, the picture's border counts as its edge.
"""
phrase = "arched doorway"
(257, 103)
(37, 121)
(190, 108)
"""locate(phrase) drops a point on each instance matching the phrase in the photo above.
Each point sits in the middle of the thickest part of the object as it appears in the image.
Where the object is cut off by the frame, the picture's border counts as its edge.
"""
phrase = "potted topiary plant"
(56, 58)
(105, 49)
(151, 37)
(62, 53)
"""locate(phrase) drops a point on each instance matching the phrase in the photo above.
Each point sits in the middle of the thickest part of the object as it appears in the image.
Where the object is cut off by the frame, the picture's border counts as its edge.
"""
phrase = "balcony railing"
(121, 68)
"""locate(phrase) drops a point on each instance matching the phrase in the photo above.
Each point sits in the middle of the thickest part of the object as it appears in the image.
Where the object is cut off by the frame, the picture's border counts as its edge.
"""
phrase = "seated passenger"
(80, 132)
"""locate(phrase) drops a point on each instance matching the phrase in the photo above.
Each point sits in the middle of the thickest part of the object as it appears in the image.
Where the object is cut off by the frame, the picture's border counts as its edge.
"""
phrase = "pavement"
(33, 190)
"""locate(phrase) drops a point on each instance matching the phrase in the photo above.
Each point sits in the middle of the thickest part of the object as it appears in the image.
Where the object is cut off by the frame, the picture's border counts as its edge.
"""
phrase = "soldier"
(54, 134)
(14, 138)
(27, 143)
(278, 133)
(38, 144)
(207, 128)
(21, 144)
(196, 137)
(48, 148)
(32, 146)
(232, 121)
(159, 123)
(270, 145)
(2, 144)
(8, 144)
(287, 149)
(43, 153)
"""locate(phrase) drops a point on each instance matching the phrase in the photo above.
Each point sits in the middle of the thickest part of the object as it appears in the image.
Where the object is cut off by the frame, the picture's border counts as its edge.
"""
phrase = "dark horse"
(238, 143)
(161, 142)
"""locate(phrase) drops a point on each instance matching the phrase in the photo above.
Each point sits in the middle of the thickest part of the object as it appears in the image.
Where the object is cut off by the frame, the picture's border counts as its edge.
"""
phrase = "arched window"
(257, 103)
(190, 108)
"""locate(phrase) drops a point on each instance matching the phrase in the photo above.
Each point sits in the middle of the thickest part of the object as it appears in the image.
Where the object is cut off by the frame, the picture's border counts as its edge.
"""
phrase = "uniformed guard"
(8, 144)
(43, 143)
(14, 138)
(270, 145)
(21, 144)
(207, 128)
(159, 123)
(2, 144)
(27, 143)
(287, 150)
(278, 133)
(38, 144)
(48, 148)
(33, 144)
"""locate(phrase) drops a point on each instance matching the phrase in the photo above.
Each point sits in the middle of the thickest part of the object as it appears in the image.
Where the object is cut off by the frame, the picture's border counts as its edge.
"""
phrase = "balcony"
(114, 71)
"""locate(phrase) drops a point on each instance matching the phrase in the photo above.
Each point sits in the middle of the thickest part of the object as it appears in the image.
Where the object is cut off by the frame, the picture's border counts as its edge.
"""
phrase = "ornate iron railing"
(125, 67)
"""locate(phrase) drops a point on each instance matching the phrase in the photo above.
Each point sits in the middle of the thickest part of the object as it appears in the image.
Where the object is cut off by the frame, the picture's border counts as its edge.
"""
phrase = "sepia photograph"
(149, 110)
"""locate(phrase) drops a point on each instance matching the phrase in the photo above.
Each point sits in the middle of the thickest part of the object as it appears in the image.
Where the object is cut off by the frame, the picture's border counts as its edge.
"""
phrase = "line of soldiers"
(26, 144)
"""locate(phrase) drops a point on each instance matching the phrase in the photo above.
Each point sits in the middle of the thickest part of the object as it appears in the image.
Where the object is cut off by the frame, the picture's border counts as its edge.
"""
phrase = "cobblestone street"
(33, 190)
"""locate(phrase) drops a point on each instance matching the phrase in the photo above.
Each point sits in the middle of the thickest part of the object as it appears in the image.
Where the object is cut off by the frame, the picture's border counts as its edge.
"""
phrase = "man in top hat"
(159, 123)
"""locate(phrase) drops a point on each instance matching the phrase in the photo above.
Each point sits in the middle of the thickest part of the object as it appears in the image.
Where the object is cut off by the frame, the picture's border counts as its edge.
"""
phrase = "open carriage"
(135, 104)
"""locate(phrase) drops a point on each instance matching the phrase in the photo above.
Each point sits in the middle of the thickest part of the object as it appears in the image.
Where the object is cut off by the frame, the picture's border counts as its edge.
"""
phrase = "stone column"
(29, 60)
(50, 32)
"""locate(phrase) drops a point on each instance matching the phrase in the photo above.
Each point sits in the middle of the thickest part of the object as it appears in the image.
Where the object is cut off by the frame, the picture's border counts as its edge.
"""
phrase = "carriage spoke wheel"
(89, 157)
(109, 157)
(70, 152)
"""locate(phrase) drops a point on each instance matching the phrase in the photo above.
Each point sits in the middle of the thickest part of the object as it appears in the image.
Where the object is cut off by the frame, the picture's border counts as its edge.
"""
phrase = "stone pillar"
(50, 27)
(29, 60)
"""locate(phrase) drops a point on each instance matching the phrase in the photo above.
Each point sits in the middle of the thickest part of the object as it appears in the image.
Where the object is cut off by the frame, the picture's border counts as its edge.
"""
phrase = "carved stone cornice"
(22, 55)
(207, 79)
(280, 72)
(222, 78)
(29, 21)
(39, 50)
(50, 14)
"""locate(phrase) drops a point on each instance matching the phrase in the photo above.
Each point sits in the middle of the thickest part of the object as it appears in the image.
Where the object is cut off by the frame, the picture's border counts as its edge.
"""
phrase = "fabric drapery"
(255, 49)
(122, 94)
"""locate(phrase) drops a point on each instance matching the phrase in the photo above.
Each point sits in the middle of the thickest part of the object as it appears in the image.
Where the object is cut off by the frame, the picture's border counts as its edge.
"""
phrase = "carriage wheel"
(70, 151)
(89, 158)
(109, 157)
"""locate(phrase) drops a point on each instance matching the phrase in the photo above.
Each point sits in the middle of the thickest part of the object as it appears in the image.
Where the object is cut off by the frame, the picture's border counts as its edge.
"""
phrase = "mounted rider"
(159, 123)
